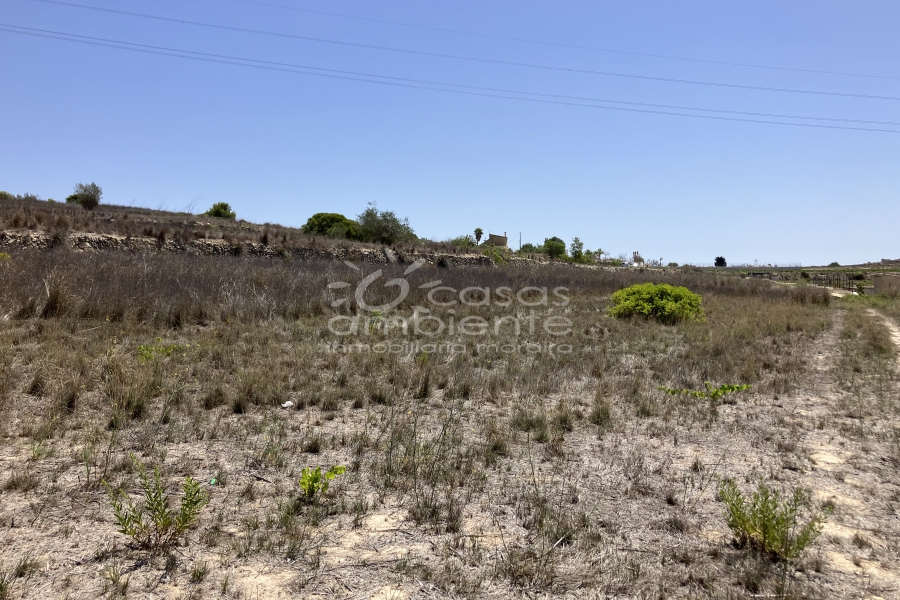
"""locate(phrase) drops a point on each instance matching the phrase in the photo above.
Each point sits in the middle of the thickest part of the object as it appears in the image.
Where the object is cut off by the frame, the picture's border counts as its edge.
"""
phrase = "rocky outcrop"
(97, 242)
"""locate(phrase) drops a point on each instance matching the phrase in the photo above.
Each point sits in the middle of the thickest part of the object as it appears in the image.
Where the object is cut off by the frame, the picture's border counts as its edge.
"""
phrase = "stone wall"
(96, 242)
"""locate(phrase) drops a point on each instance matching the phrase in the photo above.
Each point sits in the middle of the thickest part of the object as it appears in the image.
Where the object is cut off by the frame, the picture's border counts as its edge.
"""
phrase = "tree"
(576, 250)
(528, 248)
(720, 261)
(554, 247)
(221, 210)
(383, 226)
(478, 233)
(87, 195)
(332, 224)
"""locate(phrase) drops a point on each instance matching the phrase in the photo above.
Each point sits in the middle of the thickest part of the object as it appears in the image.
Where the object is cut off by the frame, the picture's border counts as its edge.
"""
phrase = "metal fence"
(840, 281)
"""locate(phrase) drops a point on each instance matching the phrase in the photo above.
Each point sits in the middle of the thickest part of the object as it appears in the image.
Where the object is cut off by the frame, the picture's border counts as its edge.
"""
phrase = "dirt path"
(849, 474)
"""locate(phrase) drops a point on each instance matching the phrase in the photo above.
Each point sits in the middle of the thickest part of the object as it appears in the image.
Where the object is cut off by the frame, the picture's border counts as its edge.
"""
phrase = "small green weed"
(313, 482)
(769, 523)
(148, 352)
(711, 393)
(154, 525)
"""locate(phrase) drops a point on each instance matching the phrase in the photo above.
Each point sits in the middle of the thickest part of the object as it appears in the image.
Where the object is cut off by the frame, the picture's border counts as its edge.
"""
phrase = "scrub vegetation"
(192, 426)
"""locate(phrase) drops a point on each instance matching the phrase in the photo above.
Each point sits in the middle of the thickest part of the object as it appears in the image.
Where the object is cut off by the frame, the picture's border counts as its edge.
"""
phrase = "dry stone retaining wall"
(96, 242)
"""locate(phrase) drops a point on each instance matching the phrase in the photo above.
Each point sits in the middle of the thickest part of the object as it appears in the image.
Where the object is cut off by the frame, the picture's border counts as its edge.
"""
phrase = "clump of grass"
(116, 581)
(25, 567)
(213, 398)
(66, 398)
(769, 523)
(496, 444)
(199, 572)
(6, 581)
(530, 422)
(601, 414)
(38, 385)
(21, 481)
(129, 390)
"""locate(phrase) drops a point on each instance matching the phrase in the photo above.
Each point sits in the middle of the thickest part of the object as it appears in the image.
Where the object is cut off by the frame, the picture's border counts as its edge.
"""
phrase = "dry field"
(501, 465)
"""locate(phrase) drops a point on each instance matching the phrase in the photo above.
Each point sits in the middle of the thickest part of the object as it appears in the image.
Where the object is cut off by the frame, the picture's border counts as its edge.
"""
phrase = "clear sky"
(176, 133)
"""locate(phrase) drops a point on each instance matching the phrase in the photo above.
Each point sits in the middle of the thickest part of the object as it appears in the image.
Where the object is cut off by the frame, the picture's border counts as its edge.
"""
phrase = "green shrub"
(87, 195)
(221, 210)
(4, 258)
(332, 224)
(768, 522)
(463, 241)
(554, 247)
(383, 226)
(663, 302)
(495, 254)
(6, 196)
(314, 483)
(153, 524)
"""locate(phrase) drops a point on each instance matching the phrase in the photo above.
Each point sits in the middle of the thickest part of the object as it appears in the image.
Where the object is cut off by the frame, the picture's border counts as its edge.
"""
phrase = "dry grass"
(479, 473)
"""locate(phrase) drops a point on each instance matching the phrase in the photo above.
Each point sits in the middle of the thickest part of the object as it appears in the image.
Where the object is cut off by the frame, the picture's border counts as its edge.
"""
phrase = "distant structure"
(500, 241)
(636, 258)
(886, 283)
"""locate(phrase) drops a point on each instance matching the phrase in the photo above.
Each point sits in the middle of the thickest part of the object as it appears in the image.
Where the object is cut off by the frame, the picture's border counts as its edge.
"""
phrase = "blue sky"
(172, 132)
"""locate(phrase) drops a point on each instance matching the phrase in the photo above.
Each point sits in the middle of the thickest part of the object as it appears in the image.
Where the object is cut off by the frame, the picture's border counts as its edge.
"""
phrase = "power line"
(442, 83)
(469, 58)
(223, 59)
(563, 45)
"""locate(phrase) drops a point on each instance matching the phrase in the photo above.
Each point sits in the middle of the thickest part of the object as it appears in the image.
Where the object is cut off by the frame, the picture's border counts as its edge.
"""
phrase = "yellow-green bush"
(663, 302)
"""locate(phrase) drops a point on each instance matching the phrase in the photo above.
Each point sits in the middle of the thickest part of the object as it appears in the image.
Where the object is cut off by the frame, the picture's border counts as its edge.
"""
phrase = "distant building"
(886, 283)
(500, 241)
